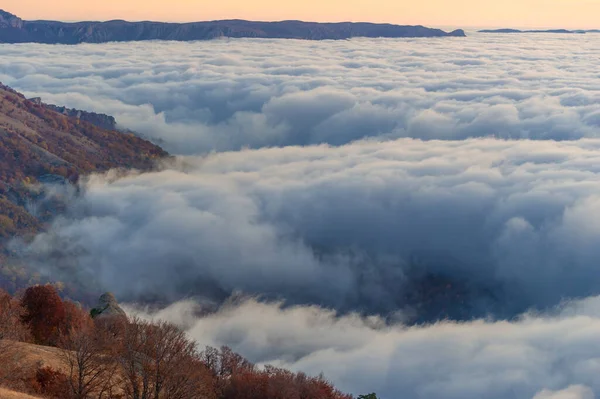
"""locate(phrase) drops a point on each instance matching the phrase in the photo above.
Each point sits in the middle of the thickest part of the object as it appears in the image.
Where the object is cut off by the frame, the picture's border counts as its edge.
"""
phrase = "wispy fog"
(536, 357)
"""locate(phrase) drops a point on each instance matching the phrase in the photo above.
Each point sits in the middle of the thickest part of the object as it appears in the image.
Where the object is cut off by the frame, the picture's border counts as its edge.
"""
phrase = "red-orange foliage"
(45, 314)
(35, 140)
(76, 318)
(140, 359)
(237, 378)
(158, 361)
(11, 312)
(52, 383)
(273, 383)
(89, 359)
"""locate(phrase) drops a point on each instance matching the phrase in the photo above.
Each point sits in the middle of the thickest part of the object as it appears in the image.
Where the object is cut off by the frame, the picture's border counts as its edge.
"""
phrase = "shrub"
(52, 383)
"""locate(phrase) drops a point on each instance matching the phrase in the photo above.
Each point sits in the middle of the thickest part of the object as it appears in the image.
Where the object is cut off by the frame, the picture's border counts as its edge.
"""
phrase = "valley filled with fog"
(419, 218)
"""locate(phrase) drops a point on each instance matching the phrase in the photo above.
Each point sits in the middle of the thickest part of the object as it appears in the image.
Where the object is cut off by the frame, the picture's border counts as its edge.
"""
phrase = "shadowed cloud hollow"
(348, 227)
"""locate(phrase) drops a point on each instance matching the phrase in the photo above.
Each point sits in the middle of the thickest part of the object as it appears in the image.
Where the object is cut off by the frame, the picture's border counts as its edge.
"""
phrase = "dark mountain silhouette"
(15, 30)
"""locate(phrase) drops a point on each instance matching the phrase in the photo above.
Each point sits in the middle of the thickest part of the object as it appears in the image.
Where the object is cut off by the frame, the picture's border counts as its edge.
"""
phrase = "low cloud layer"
(230, 94)
(552, 356)
(381, 187)
(513, 223)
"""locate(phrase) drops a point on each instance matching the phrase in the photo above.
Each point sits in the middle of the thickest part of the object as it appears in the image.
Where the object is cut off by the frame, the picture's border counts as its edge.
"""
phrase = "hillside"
(21, 362)
(30, 356)
(15, 30)
(39, 144)
(56, 348)
(9, 394)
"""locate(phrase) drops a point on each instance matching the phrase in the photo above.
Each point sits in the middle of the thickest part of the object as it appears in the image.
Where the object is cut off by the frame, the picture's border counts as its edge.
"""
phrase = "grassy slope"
(8, 394)
(20, 359)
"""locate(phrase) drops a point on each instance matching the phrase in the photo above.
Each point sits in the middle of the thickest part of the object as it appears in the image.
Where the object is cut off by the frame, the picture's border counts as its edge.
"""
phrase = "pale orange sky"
(459, 13)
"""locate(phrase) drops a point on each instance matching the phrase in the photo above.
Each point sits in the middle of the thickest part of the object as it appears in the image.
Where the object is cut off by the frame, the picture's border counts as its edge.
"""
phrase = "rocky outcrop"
(107, 307)
(8, 20)
(102, 121)
(52, 32)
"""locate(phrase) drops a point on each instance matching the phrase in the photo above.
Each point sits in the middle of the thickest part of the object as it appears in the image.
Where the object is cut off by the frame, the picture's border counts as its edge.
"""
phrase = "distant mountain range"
(566, 31)
(15, 30)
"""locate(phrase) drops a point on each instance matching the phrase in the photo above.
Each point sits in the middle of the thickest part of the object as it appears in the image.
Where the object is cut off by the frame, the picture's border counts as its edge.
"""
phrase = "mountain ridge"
(16, 30)
(44, 144)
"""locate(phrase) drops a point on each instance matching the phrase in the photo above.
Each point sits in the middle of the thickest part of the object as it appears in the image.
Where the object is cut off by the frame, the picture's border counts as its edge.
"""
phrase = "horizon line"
(435, 26)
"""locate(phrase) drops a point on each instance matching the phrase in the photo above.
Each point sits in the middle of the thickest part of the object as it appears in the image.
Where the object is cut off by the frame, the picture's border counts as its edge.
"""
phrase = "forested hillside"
(38, 144)
(55, 349)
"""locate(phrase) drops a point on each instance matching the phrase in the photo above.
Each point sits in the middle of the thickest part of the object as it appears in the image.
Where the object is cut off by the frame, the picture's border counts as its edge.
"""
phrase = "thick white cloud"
(514, 223)
(572, 392)
(230, 94)
(314, 238)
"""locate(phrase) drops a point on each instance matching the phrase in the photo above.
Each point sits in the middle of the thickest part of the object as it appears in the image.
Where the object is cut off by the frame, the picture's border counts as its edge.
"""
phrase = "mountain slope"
(16, 30)
(38, 144)
(8, 394)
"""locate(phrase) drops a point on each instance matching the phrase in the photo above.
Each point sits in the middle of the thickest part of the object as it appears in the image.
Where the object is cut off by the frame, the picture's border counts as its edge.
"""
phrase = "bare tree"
(169, 349)
(90, 368)
(133, 362)
(11, 331)
(11, 312)
(191, 380)
(160, 362)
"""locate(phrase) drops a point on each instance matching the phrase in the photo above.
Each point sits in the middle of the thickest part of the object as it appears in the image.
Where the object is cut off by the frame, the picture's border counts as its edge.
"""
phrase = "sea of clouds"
(231, 94)
(319, 182)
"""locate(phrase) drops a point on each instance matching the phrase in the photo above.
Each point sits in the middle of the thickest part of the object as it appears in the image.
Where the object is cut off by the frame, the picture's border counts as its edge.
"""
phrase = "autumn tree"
(113, 356)
(11, 313)
(91, 369)
(237, 378)
(11, 331)
(132, 362)
(274, 383)
(168, 348)
(158, 361)
(76, 319)
(51, 383)
(44, 313)
(190, 380)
